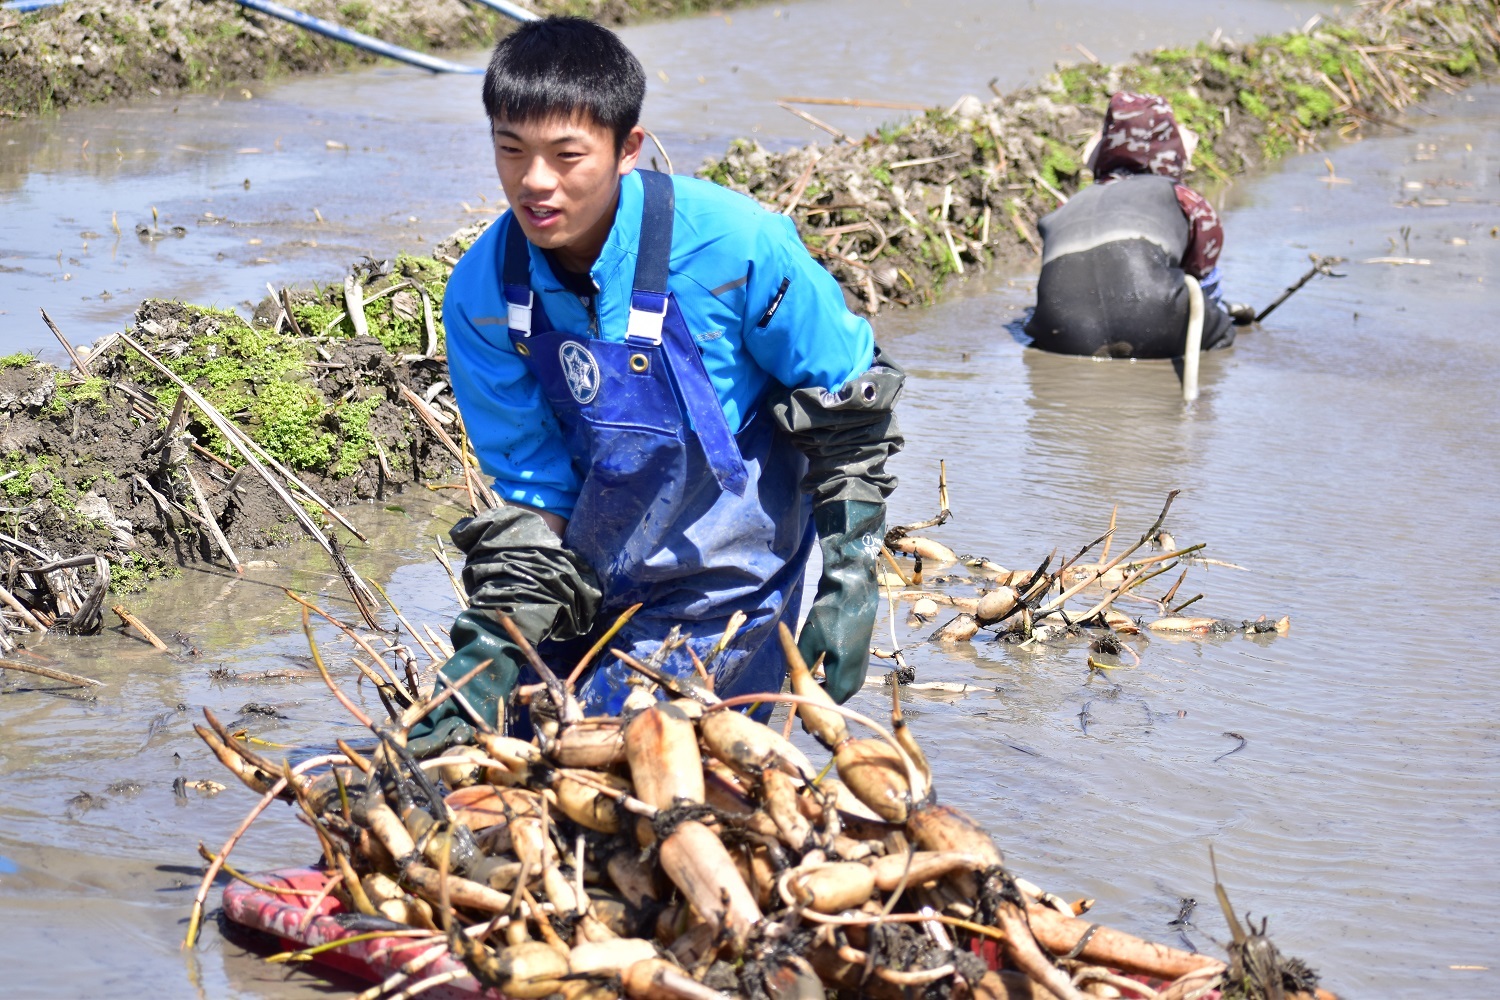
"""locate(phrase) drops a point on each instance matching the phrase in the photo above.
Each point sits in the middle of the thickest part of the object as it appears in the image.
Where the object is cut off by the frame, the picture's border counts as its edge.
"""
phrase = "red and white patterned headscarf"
(1140, 136)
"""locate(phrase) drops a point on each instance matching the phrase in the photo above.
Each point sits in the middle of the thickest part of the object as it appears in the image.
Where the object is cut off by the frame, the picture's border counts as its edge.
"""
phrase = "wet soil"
(97, 50)
(95, 470)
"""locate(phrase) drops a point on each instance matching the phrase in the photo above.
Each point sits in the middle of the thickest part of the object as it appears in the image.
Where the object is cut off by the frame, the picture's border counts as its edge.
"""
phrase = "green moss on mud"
(1466, 62)
(132, 573)
(89, 392)
(262, 380)
(1253, 104)
(286, 419)
(315, 317)
(1059, 166)
(397, 320)
(1084, 84)
(18, 487)
(231, 363)
(358, 440)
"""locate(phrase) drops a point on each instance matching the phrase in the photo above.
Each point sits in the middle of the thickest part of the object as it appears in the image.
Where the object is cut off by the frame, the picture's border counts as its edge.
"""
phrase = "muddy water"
(101, 887)
(294, 181)
(1345, 456)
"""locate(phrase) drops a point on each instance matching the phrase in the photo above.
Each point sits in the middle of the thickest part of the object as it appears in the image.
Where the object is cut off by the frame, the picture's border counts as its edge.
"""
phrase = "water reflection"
(1102, 423)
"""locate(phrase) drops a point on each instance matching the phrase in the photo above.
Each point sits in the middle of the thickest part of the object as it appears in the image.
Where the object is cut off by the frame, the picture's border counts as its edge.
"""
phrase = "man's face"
(561, 177)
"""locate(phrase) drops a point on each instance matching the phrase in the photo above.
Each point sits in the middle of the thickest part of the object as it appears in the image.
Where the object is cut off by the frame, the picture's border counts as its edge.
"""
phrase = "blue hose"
(26, 6)
(505, 7)
(336, 31)
(354, 38)
(510, 10)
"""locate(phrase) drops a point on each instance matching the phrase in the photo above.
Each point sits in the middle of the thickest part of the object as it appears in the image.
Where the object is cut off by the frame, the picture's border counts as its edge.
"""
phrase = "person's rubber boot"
(842, 619)
(477, 637)
(1241, 313)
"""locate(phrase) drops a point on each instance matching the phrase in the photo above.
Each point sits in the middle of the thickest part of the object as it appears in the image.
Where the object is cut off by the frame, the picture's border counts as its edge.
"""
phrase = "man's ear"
(630, 149)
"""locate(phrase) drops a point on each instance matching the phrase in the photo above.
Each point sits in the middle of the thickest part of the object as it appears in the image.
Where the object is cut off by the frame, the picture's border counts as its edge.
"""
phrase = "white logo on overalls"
(581, 371)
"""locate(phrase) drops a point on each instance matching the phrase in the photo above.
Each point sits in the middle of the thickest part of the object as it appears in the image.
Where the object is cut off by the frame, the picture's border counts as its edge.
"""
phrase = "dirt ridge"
(898, 214)
(88, 467)
(98, 50)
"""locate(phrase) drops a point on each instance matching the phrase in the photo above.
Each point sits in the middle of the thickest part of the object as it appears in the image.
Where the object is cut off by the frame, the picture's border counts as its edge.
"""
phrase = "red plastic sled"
(281, 915)
(375, 960)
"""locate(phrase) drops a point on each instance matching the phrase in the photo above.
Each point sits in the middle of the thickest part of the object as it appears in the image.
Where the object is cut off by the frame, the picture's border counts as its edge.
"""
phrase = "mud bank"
(104, 468)
(96, 50)
(897, 214)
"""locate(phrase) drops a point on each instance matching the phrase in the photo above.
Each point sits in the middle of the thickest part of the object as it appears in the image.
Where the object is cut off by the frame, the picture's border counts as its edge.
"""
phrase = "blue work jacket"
(760, 309)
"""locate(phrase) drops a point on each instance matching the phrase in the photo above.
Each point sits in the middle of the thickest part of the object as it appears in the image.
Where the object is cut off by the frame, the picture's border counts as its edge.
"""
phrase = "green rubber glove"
(1241, 313)
(514, 564)
(477, 637)
(842, 619)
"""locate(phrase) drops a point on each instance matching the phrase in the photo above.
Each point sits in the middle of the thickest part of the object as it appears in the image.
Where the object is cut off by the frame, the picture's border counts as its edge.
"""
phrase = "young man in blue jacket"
(671, 395)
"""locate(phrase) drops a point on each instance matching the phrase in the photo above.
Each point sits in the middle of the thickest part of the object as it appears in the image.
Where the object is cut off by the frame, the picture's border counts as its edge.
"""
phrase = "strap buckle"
(648, 310)
(519, 302)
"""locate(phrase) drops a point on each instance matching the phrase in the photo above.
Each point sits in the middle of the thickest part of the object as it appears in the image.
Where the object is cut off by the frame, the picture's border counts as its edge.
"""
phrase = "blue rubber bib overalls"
(675, 512)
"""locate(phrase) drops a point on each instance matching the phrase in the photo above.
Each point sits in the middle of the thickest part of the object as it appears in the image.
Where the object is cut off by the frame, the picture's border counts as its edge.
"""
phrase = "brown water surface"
(291, 182)
(1346, 455)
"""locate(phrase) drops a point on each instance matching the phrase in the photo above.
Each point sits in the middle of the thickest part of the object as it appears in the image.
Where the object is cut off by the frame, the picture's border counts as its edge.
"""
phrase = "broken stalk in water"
(1321, 265)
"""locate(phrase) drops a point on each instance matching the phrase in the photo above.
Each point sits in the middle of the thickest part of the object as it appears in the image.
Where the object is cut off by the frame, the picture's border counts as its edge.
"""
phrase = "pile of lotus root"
(685, 850)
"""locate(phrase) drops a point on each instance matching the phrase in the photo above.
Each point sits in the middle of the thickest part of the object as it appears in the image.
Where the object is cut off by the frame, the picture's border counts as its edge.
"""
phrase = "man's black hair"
(565, 67)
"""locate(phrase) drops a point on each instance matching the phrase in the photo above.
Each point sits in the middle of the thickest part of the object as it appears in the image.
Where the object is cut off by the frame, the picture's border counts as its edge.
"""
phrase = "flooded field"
(299, 179)
(1346, 455)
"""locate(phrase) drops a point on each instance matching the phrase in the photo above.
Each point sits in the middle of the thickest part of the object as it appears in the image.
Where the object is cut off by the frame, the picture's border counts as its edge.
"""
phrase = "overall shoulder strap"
(650, 326)
(515, 276)
(648, 296)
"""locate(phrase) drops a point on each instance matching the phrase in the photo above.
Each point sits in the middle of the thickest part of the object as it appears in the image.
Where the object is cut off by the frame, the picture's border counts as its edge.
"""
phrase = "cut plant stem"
(354, 636)
(895, 566)
(195, 919)
(554, 685)
(458, 589)
(1167, 597)
(26, 616)
(213, 523)
(78, 363)
(140, 626)
(1099, 572)
(49, 673)
(603, 642)
(902, 530)
(402, 619)
(1191, 600)
(234, 873)
(1109, 536)
(317, 657)
(253, 453)
(852, 102)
